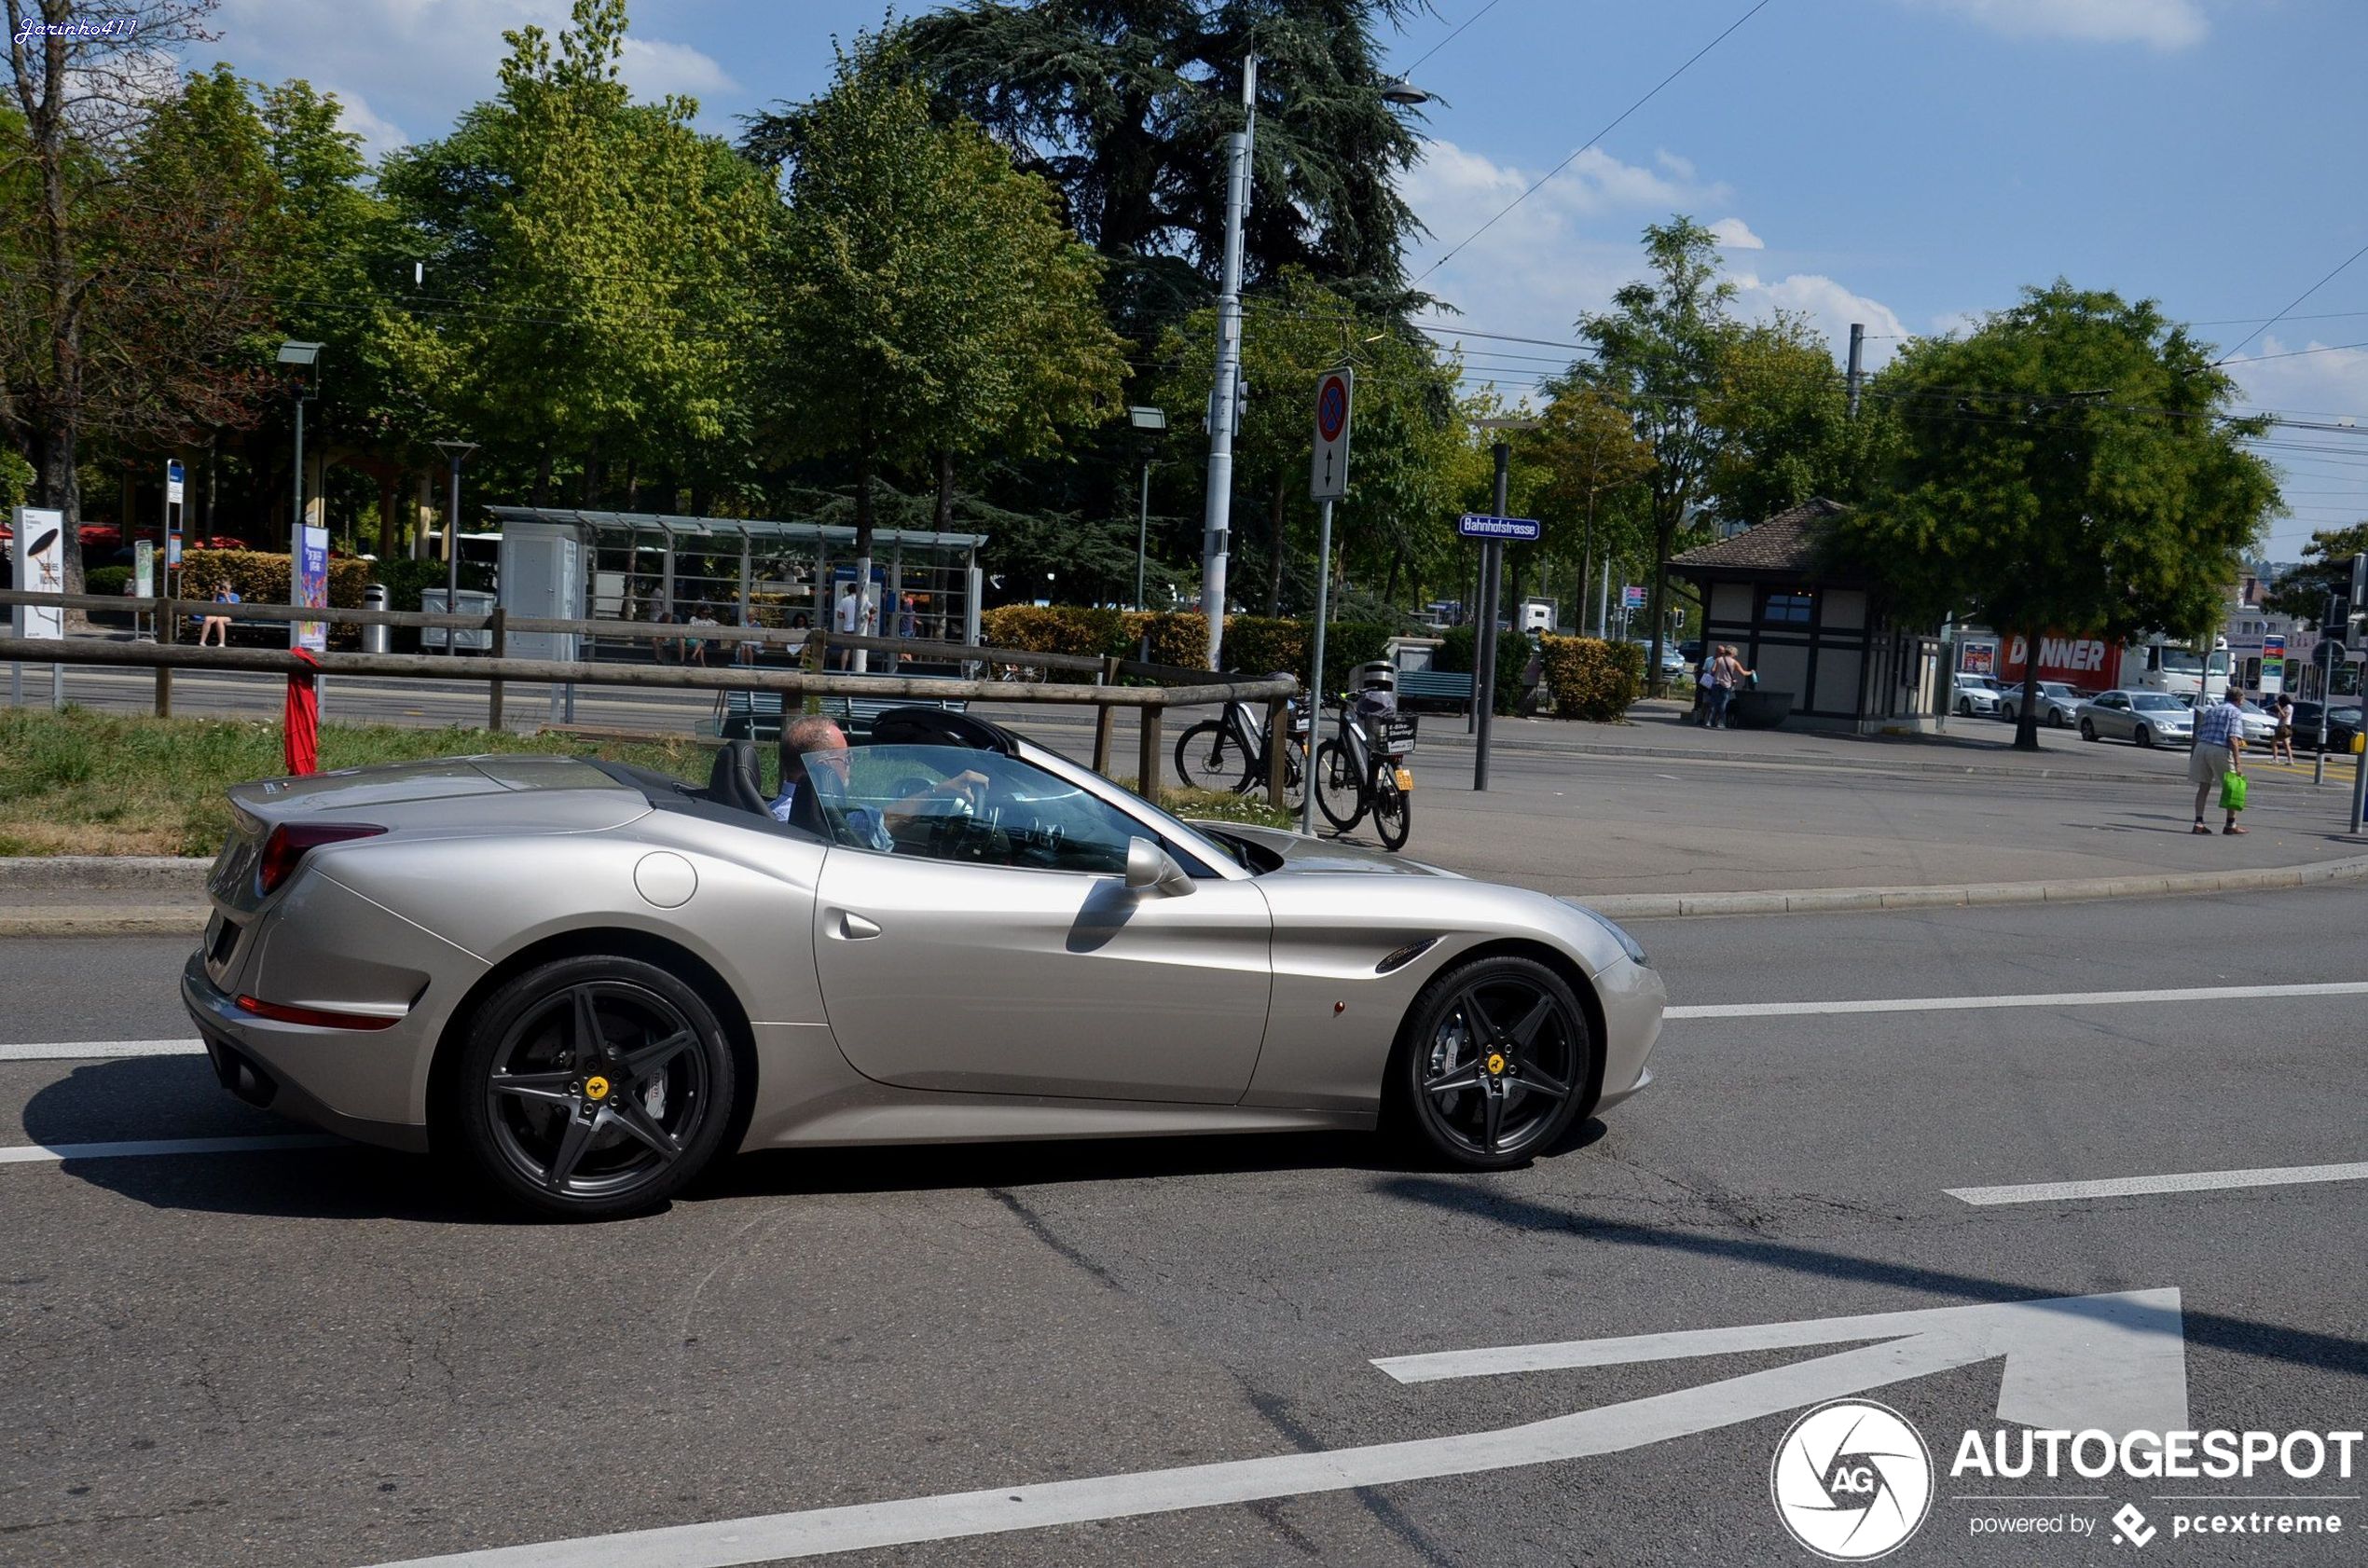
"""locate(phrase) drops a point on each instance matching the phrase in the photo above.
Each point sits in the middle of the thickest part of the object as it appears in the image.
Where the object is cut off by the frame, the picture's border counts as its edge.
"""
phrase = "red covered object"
(300, 734)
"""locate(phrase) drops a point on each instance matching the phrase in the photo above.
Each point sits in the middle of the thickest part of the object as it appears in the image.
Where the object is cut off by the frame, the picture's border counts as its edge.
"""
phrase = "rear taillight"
(319, 1018)
(290, 840)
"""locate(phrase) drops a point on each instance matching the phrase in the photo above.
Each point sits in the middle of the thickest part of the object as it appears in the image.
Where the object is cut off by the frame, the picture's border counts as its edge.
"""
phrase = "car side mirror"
(1149, 866)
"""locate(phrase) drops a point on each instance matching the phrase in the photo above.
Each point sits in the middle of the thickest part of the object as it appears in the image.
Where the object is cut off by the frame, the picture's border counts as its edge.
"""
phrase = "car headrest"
(734, 780)
(939, 726)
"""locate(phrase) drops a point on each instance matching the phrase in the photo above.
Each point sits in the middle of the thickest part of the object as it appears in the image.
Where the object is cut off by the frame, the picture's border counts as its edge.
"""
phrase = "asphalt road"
(331, 1357)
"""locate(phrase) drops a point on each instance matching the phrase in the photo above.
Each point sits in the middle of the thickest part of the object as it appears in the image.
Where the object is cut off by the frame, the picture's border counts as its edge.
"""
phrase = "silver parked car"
(1976, 693)
(588, 980)
(2143, 718)
(2058, 708)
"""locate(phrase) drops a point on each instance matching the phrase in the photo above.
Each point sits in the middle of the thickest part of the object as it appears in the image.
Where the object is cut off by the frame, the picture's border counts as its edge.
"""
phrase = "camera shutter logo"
(1851, 1480)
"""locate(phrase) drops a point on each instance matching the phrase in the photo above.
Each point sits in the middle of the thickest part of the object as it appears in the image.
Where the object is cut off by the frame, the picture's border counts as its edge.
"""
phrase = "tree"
(1658, 350)
(927, 304)
(2326, 568)
(1781, 413)
(2071, 463)
(79, 102)
(1124, 106)
(1591, 466)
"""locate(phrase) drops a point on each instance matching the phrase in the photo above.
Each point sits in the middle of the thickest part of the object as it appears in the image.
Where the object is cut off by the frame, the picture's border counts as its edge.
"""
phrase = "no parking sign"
(1327, 472)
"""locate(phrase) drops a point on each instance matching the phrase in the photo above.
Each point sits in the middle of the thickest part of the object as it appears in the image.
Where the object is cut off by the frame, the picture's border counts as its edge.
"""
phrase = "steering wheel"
(958, 836)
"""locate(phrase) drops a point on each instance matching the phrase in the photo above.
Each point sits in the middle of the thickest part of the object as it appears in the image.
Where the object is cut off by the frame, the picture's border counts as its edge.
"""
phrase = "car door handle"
(852, 928)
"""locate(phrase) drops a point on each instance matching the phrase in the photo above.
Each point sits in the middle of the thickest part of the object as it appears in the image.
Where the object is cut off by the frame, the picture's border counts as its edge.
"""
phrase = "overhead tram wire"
(1467, 21)
(2297, 299)
(1757, 8)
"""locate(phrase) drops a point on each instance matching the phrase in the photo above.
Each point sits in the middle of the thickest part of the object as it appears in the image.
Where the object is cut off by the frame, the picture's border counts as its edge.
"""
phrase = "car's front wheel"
(2088, 729)
(2055, 718)
(1491, 1063)
(2142, 736)
(1965, 708)
(593, 1087)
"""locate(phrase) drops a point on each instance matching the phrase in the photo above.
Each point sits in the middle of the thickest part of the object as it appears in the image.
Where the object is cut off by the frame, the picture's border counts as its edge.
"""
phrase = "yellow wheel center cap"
(596, 1088)
(1495, 1062)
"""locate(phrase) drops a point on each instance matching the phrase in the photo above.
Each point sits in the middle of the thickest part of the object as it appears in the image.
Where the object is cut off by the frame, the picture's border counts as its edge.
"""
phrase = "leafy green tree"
(1588, 467)
(2072, 462)
(1781, 409)
(1658, 347)
(927, 303)
(2326, 568)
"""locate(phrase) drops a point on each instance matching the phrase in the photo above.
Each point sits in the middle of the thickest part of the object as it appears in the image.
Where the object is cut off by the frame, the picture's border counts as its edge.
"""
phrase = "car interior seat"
(736, 781)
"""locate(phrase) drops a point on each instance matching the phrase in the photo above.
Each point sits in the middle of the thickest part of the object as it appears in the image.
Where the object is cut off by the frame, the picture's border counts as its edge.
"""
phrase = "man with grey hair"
(811, 740)
(809, 736)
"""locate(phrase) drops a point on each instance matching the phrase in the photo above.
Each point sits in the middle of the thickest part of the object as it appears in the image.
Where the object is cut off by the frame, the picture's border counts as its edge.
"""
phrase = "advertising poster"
(310, 590)
(38, 557)
(1978, 658)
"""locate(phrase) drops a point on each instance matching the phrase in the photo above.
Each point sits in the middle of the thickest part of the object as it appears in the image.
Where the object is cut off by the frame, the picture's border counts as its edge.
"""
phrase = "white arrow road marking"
(2117, 1362)
(33, 1154)
(2049, 998)
(2124, 1187)
(60, 1050)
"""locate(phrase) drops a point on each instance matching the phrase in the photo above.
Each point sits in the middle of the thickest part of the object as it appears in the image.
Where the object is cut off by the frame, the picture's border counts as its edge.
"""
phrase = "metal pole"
(1216, 518)
(1315, 671)
(2326, 701)
(1142, 531)
(452, 557)
(296, 525)
(1857, 344)
(1484, 646)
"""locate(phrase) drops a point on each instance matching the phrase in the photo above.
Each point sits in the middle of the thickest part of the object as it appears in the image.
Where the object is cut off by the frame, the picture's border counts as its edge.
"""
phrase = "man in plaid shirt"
(2220, 742)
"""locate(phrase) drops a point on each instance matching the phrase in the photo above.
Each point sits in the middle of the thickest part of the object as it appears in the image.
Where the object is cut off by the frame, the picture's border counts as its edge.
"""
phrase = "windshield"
(2155, 702)
(2178, 661)
(2055, 688)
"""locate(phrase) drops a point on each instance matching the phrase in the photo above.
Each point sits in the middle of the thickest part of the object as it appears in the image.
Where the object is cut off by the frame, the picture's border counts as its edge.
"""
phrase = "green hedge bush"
(1455, 656)
(106, 579)
(261, 577)
(1254, 645)
(1591, 677)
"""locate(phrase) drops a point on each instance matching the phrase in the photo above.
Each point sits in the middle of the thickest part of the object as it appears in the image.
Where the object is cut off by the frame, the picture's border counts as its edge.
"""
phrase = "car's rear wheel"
(593, 1086)
(2088, 729)
(1491, 1063)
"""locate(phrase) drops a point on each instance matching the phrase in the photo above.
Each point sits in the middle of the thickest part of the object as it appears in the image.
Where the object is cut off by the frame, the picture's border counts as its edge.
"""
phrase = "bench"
(756, 715)
(1435, 686)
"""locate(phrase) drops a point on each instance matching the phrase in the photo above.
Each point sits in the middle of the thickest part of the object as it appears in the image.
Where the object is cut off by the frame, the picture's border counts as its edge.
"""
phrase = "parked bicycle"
(1363, 768)
(1230, 752)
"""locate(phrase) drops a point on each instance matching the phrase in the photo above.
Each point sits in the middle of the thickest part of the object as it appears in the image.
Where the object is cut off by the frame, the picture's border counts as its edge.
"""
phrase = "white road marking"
(2124, 1187)
(2116, 1362)
(62, 1050)
(39, 1153)
(2045, 998)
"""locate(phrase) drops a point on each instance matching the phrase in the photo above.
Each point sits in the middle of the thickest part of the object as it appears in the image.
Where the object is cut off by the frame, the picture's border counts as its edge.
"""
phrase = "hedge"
(261, 577)
(1455, 657)
(106, 579)
(1591, 677)
(1254, 645)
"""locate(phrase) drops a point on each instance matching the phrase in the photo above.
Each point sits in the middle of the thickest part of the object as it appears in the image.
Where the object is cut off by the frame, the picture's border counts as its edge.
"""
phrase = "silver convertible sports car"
(586, 981)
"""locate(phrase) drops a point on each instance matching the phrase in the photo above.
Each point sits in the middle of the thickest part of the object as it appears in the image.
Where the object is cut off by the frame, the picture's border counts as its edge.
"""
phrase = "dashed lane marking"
(65, 1051)
(44, 1153)
(2048, 998)
(2130, 1187)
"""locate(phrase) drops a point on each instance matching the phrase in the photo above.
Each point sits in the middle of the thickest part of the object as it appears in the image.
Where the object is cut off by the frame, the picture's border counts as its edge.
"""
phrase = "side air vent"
(1405, 955)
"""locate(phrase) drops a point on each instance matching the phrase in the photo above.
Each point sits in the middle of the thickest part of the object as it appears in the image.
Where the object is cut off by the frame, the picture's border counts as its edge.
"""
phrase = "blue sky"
(1904, 163)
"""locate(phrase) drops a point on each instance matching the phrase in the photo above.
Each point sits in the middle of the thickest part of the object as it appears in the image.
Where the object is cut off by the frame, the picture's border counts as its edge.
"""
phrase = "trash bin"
(377, 638)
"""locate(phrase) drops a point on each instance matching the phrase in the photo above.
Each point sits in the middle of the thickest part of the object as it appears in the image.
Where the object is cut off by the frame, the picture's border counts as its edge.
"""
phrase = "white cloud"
(2165, 24)
(1734, 234)
(2325, 484)
(379, 135)
(654, 69)
(1562, 252)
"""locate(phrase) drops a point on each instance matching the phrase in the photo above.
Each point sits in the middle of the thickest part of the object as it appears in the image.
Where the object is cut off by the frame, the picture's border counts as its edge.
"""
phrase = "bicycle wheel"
(1340, 794)
(1393, 810)
(1207, 757)
(1294, 777)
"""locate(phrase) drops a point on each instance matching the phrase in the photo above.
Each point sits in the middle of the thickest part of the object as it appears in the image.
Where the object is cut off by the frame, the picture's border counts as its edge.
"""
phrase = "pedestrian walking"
(2281, 739)
(1727, 677)
(2217, 761)
(848, 617)
(1701, 685)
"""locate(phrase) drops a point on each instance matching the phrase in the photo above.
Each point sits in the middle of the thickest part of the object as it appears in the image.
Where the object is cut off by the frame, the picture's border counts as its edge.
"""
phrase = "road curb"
(107, 873)
(104, 920)
(1827, 900)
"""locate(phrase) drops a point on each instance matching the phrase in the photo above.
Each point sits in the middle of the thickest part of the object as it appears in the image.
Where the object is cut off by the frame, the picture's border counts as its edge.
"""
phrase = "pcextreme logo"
(1851, 1480)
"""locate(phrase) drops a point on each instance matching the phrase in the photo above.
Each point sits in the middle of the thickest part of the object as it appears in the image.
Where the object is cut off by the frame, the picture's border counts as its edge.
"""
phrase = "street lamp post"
(455, 450)
(1150, 421)
(1492, 589)
(308, 355)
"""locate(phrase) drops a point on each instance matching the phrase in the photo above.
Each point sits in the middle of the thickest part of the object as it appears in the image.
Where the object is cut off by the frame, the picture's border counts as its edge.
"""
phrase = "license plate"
(1405, 779)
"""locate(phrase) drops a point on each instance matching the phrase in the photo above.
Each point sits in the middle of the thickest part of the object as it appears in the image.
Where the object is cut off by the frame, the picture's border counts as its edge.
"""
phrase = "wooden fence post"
(497, 622)
(167, 630)
(1147, 762)
(1104, 721)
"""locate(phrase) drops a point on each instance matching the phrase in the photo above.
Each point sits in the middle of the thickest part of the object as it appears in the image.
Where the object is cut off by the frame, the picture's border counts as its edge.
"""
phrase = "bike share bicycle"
(1363, 768)
(1230, 752)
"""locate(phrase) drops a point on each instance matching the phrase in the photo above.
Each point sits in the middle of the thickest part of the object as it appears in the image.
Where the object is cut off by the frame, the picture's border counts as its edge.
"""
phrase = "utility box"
(470, 601)
(542, 578)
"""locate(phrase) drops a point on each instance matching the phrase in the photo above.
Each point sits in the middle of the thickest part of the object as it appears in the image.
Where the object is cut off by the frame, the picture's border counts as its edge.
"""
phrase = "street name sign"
(1477, 525)
(1328, 471)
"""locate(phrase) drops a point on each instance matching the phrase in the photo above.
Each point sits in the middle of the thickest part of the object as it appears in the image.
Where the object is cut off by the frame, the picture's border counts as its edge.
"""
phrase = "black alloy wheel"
(594, 1087)
(2088, 729)
(1393, 810)
(1208, 757)
(2055, 718)
(2142, 736)
(1340, 794)
(1492, 1063)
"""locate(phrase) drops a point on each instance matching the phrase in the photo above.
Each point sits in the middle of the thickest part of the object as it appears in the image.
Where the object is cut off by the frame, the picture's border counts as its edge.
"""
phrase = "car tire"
(2006, 711)
(2055, 718)
(2142, 736)
(592, 1087)
(1440, 1086)
(2088, 729)
(1965, 708)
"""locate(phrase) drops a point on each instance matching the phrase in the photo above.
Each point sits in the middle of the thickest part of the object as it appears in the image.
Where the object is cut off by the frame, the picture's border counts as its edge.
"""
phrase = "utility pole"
(1224, 401)
(1857, 347)
(1484, 645)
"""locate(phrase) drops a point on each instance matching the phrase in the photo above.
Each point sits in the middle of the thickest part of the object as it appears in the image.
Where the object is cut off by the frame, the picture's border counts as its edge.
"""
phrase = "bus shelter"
(783, 576)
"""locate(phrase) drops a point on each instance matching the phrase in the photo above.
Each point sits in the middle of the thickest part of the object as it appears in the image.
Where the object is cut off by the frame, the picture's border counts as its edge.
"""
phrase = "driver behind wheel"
(814, 741)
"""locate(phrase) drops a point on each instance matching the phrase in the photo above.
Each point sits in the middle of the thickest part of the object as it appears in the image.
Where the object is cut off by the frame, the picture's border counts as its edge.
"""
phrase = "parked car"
(1976, 693)
(1672, 658)
(2141, 718)
(2058, 704)
(2343, 724)
(2259, 723)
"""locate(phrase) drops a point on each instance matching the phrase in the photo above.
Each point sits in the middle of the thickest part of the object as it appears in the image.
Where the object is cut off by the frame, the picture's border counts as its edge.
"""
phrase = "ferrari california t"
(586, 981)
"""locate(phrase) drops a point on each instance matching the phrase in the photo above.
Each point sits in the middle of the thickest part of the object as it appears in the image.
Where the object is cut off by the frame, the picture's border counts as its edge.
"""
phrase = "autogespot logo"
(1851, 1480)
